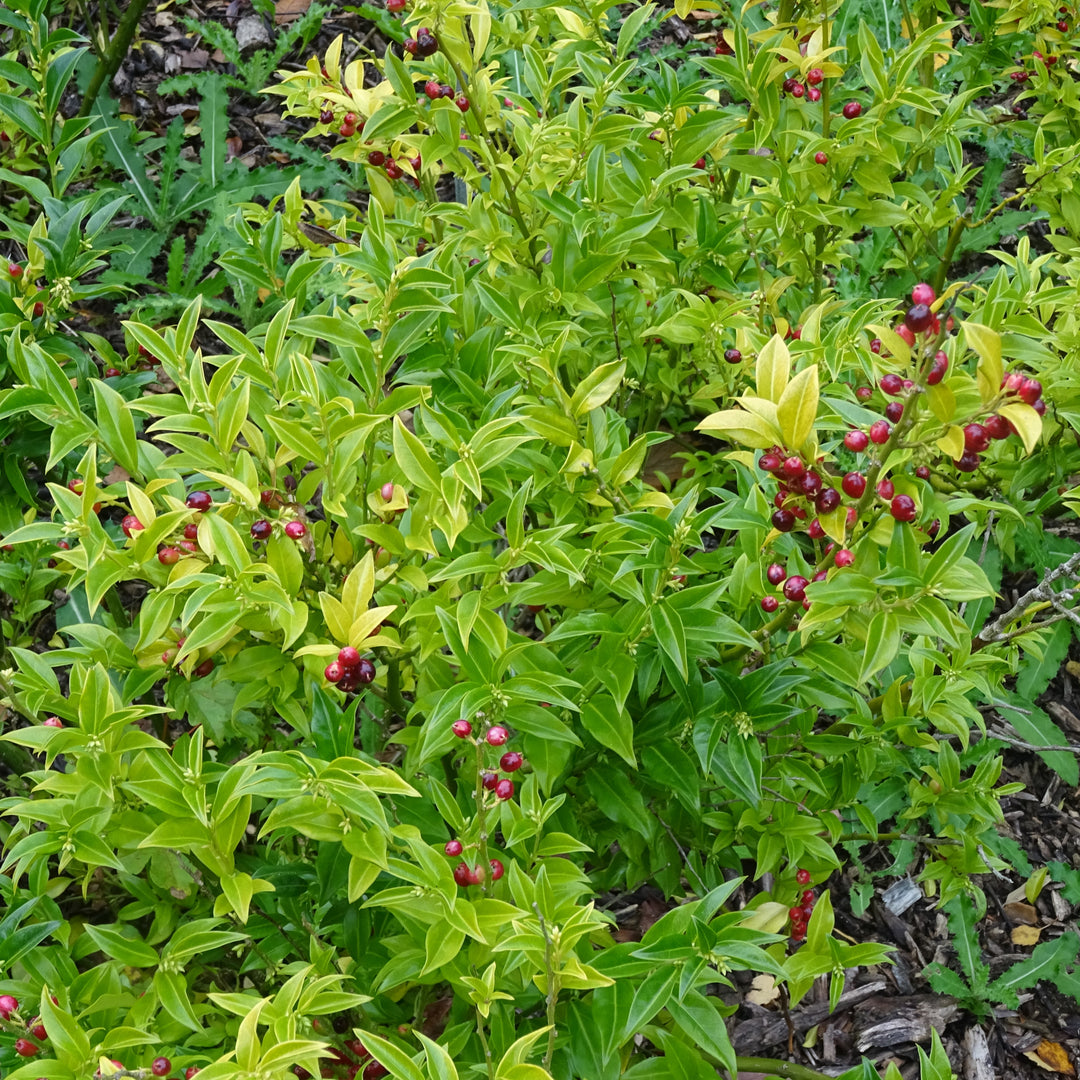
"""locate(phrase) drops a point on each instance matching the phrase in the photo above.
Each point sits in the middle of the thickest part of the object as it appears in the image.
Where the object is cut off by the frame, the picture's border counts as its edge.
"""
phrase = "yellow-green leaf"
(597, 387)
(835, 524)
(364, 626)
(797, 408)
(1026, 420)
(952, 442)
(773, 369)
(336, 616)
(359, 585)
(986, 344)
(892, 341)
(742, 427)
(942, 402)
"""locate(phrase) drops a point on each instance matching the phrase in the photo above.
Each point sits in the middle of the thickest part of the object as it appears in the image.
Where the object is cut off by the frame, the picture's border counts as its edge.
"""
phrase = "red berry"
(1030, 391)
(906, 334)
(923, 472)
(903, 508)
(893, 411)
(294, 530)
(814, 76)
(393, 170)
(885, 489)
(854, 484)
(875, 346)
(809, 484)
(828, 501)
(39, 310)
(433, 89)
(769, 604)
(813, 94)
(770, 463)
(348, 657)
(377, 159)
(54, 722)
(864, 393)
(453, 848)
(923, 294)
(798, 932)
(976, 438)
(844, 557)
(15, 270)
(1039, 406)
(815, 531)
(488, 780)
(190, 1071)
(333, 672)
(891, 384)
(496, 735)
(797, 915)
(775, 574)
(968, 461)
(411, 46)
(732, 356)
(997, 427)
(365, 672)
(795, 587)
(918, 318)
(802, 877)
(511, 761)
(821, 158)
(783, 521)
(798, 90)
(161, 1066)
(204, 668)
(395, 5)
(856, 440)
(130, 524)
(504, 789)
(25, 1048)
(168, 556)
(462, 102)
(461, 874)
(793, 467)
(200, 500)
(189, 545)
(375, 1071)
(879, 432)
(461, 728)
(9, 1004)
(937, 369)
(111, 373)
(851, 110)
(807, 897)
(497, 870)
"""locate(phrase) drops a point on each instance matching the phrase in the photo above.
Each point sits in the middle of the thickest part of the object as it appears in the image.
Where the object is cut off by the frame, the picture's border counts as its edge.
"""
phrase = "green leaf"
(116, 427)
(797, 409)
(597, 387)
(412, 457)
(390, 1057)
(619, 801)
(701, 1020)
(882, 644)
(130, 951)
(610, 726)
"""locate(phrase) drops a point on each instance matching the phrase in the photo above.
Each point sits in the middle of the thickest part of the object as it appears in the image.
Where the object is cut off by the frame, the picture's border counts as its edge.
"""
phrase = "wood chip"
(891, 1021)
(977, 1063)
(901, 895)
(1024, 914)
(285, 11)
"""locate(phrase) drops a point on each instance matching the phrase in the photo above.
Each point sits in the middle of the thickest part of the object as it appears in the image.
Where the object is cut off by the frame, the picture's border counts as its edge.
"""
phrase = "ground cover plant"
(627, 467)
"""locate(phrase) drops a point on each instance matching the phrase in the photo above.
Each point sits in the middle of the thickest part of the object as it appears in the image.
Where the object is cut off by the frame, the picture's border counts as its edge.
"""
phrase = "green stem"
(488, 1059)
(481, 816)
(108, 66)
(955, 233)
(772, 1067)
(552, 1000)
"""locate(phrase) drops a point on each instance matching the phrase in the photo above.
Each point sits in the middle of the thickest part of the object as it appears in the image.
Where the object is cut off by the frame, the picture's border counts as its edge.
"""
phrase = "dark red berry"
(821, 158)
(393, 170)
(875, 346)
(333, 672)
(411, 46)
(854, 484)
(365, 672)
(903, 508)
(798, 91)
(375, 1071)
(377, 159)
(462, 102)
(775, 574)
(893, 411)
(769, 604)
(828, 501)
(190, 1071)
(923, 472)
(261, 529)
(168, 556)
(976, 438)
(844, 557)
(879, 432)
(130, 524)
(25, 1048)
(851, 110)
(783, 521)
(997, 427)
(802, 877)
(891, 384)
(1039, 406)
(160, 1066)
(809, 484)
(326, 116)
(732, 356)
(489, 780)
(200, 500)
(511, 761)
(856, 440)
(797, 915)
(793, 467)
(770, 463)
(453, 848)
(426, 42)
(497, 869)
(795, 587)
(39, 310)
(504, 789)
(968, 461)
(461, 728)
(814, 76)
(496, 735)
(461, 874)
(918, 318)
(1030, 391)
(815, 531)
(348, 657)
(885, 489)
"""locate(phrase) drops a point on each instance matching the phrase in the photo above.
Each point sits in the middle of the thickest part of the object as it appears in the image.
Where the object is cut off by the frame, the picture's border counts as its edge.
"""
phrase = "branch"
(1043, 593)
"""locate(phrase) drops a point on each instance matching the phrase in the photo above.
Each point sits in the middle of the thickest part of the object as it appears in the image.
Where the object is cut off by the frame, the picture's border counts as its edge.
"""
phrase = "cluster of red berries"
(510, 761)
(424, 44)
(350, 1060)
(378, 160)
(800, 490)
(811, 89)
(434, 90)
(28, 1045)
(350, 670)
(801, 912)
